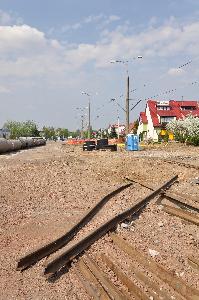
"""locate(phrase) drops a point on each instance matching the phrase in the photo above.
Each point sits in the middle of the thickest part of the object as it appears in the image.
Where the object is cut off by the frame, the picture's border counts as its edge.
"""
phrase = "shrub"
(186, 130)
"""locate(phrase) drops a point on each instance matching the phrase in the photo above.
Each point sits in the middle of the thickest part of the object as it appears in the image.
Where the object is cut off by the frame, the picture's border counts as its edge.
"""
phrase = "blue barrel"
(132, 142)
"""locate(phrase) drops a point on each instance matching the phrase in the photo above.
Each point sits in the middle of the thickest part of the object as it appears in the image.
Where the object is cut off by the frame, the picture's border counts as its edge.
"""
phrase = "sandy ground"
(44, 191)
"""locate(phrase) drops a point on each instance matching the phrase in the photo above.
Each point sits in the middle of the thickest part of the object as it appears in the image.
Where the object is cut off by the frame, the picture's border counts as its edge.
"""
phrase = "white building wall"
(151, 132)
(140, 128)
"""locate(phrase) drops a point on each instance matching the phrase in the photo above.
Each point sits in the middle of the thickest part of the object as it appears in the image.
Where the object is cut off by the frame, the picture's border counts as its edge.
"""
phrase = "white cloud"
(5, 18)
(26, 51)
(42, 69)
(94, 18)
(23, 38)
(176, 72)
(9, 18)
(75, 26)
(4, 90)
(101, 19)
(111, 19)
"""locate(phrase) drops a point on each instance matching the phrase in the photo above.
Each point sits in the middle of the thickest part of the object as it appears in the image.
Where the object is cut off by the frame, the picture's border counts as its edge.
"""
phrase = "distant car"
(89, 146)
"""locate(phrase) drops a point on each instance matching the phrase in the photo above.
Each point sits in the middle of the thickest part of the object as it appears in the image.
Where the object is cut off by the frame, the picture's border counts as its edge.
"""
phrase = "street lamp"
(82, 115)
(127, 92)
(89, 113)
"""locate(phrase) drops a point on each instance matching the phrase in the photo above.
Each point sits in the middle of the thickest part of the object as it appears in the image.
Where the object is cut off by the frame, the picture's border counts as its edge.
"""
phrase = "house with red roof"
(119, 128)
(152, 122)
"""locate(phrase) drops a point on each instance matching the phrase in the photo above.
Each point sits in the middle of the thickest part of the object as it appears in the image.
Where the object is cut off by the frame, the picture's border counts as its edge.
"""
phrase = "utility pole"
(127, 92)
(89, 113)
(82, 129)
(127, 106)
(89, 118)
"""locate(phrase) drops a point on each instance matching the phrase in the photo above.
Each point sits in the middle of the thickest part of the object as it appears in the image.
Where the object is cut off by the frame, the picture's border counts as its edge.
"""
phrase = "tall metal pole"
(127, 94)
(89, 118)
(118, 127)
(127, 106)
(82, 129)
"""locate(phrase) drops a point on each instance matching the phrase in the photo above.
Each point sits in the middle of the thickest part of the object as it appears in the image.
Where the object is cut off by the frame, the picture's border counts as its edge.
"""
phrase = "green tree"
(49, 133)
(113, 133)
(19, 129)
(135, 126)
(62, 132)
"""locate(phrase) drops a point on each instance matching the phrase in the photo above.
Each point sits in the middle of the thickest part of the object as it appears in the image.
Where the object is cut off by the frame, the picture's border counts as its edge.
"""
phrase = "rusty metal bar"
(181, 164)
(176, 283)
(89, 281)
(170, 196)
(83, 244)
(181, 214)
(179, 201)
(194, 262)
(187, 197)
(110, 288)
(57, 244)
(136, 292)
(141, 183)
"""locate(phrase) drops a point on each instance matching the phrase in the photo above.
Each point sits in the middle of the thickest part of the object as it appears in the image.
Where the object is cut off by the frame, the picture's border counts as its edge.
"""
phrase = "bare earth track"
(46, 191)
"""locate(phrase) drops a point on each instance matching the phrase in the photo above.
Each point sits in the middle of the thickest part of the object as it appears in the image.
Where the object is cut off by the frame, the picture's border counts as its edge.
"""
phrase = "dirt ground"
(44, 191)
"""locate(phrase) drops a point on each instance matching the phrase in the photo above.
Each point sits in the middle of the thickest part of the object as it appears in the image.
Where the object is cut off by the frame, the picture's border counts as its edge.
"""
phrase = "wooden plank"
(91, 284)
(176, 283)
(181, 214)
(153, 286)
(132, 287)
(193, 262)
(110, 288)
(183, 203)
(187, 197)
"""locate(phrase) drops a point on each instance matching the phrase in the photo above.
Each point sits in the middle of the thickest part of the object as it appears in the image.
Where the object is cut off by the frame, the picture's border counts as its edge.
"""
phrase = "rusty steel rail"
(193, 262)
(57, 244)
(181, 164)
(176, 199)
(187, 216)
(83, 244)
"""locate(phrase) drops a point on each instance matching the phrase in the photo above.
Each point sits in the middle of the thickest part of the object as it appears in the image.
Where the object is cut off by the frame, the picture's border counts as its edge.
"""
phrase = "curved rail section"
(48, 249)
(86, 242)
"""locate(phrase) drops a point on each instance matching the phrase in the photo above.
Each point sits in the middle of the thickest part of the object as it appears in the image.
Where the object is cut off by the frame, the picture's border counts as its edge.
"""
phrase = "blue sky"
(50, 51)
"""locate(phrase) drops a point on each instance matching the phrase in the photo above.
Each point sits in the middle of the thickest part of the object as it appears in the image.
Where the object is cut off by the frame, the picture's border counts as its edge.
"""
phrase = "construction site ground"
(46, 190)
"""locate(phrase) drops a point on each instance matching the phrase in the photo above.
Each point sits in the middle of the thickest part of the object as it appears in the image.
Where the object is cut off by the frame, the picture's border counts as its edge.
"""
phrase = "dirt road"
(44, 191)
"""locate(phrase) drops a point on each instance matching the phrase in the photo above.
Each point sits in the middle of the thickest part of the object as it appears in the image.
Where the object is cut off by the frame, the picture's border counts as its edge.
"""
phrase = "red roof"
(175, 110)
(166, 113)
(183, 103)
(153, 112)
(143, 118)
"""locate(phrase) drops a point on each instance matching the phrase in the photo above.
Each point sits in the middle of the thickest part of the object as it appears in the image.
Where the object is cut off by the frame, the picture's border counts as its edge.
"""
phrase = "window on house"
(163, 107)
(166, 119)
(188, 107)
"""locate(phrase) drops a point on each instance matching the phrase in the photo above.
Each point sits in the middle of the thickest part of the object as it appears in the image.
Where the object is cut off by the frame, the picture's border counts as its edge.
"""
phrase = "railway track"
(151, 281)
(182, 164)
(84, 243)
(50, 248)
(57, 244)
(93, 270)
(186, 211)
(154, 282)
